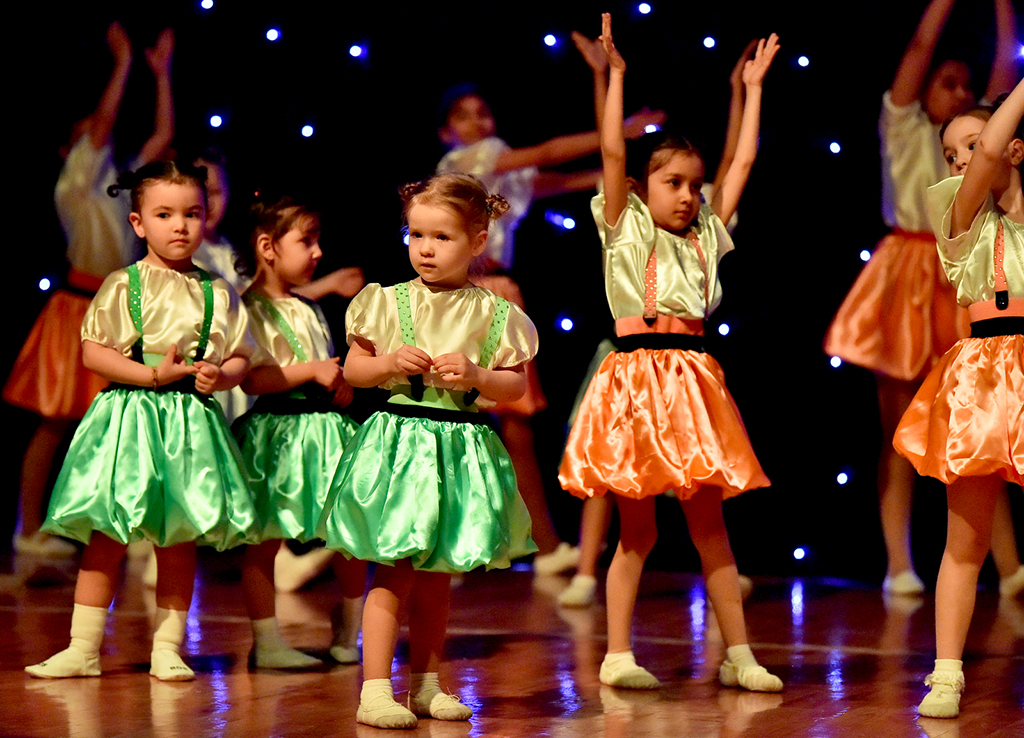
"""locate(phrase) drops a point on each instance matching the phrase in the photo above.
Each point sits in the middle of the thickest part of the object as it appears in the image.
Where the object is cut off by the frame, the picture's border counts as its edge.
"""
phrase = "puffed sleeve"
(709, 223)
(107, 320)
(635, 223)
(238, 340)
(368, 317)
(940, 214)
(518, 342)
(262, 356)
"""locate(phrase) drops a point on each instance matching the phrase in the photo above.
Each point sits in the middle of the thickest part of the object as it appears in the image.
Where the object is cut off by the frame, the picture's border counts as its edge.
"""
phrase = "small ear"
(479, 243)
(1016, 151)
(265, 248)
(136, 220)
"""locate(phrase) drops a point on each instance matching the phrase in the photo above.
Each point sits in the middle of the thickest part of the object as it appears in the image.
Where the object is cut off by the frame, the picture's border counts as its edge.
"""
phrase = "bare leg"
(1004, 541)
(895, 477)
(594, 522)
(346, 615)
(704, 519)
(382, 617)
(517, 435)
(177, 575)
(971, 503)
(638, 535)
(97, 579)
(258, 579)
(35, 472)
(428, 620)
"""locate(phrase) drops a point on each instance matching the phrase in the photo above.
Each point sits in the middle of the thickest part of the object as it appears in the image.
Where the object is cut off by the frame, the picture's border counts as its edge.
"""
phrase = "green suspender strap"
(135, 310)
(281, 323)
(494, 333)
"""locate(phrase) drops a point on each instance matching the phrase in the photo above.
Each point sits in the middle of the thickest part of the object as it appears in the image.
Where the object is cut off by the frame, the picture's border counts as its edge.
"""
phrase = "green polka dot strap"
(405, 313)
(495, 332)
(282, 325)
(135, 311)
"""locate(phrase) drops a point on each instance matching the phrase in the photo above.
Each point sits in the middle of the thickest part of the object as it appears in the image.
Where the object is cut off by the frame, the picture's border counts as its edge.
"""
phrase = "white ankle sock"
(621, 670)
(271, 652)
(378, 709)
(427, 699)
(165, 661)
(741, 656)
(82, 656)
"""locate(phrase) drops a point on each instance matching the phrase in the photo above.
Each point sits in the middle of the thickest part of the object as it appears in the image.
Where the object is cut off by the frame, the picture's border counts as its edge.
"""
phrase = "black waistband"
(186, 386)
(309, 398)
(437, 413)
(657, 341)
(992, 327)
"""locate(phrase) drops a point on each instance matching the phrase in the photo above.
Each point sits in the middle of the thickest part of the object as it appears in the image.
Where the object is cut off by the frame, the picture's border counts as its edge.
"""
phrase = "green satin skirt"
(159, 466)
(442, 494)
(291, 462)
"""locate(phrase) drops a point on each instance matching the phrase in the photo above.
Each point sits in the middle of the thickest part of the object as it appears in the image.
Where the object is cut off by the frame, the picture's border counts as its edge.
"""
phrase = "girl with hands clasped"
(427, 490)
(657, 415)
(153, 458)
(965, 425)
(293, 438)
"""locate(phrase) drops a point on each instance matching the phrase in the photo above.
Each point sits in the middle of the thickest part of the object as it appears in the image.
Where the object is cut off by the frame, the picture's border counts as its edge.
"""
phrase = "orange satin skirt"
(534, 400)
(901, 315)
(655, 420)
(967, 419)
(48, 377)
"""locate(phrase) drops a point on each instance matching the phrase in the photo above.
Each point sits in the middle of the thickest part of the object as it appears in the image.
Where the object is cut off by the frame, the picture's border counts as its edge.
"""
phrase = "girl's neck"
(154, 260)
(269, 284)
(443, 287)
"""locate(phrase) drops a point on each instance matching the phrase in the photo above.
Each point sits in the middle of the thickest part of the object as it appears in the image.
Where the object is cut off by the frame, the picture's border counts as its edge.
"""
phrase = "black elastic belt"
(992, 327)
(658, 341)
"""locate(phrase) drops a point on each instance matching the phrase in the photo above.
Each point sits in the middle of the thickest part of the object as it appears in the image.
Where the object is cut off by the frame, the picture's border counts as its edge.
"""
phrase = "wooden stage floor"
(852, 662)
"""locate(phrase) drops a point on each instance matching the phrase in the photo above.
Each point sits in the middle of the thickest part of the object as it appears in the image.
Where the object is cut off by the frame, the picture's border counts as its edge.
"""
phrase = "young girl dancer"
(427, 489)
(293, 439)
(657, 415)
(965, 425)
(900, 315)
(48, 377)
(153, 458)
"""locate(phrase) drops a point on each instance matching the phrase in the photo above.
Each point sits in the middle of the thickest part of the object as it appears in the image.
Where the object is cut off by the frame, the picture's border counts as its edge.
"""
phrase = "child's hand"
(118, 42)
(736, 78)
(592, 51)
(410, 361)
(342, 395)
(347, 281)
(159, 55)
(635, 125)
(755, 69)
(173, 367)
(327, 373)
(207, 377)
(615, 60)
(458, 370)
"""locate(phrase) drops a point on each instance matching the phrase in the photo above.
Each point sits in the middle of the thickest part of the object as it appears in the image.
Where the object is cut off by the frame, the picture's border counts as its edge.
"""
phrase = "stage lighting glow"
(709, 43)
(1020, 52)
(803, 61)
(565, 324)
(644, 8)
(834, 147)
(44, 284)
(865, 255)
(307, 131)
(216, 121)
(273, 34)
(355, 50)
(835, 362)
(405, 238)
(568, 224)
(652, 128)
(842, 478)
(550, 40)
(206, 4)
(723, 329)
(799, 553)
(557, 219)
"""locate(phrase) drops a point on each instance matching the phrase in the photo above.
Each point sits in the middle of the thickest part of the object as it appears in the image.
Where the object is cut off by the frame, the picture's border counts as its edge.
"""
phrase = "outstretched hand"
(615, 60)
(592, 51)
(755, 69)
(736, 78)
(118, 42)
(173, 367)
(159, 55)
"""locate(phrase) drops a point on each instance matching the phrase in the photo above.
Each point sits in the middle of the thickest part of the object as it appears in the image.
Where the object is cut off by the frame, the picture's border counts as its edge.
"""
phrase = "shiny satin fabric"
(901, 315)
(655, 420)
(967, 419)
(442, 494)
(48, 377)
(159, 466)
(291, 463)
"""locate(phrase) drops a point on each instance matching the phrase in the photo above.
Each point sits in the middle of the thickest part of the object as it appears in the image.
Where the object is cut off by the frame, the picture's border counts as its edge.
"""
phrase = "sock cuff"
(170, 629)
(741, 655)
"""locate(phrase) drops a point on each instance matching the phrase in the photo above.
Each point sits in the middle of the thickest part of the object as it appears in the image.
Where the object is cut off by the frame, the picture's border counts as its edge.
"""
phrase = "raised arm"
(593, 54)
(736, 100)
(159, 59)
(913, 68)
(344, 282)
(986, 163)
(1003, 74)
(101, 122)
(613, 140)
(727, 196)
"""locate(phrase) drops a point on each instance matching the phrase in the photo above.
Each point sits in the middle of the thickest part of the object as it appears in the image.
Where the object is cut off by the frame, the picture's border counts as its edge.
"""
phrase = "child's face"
(673, 191)
(170, 219)
(958, 142)
(297, 254)
(949, 92)
(469, 121)
(440, 249)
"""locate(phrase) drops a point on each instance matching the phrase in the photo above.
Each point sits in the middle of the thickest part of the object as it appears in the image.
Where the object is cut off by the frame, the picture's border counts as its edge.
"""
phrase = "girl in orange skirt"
(900, 316)
(657, 415)
(965, 425)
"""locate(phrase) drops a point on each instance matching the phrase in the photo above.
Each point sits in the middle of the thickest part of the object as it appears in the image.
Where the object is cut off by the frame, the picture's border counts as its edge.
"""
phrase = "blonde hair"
(463, 194)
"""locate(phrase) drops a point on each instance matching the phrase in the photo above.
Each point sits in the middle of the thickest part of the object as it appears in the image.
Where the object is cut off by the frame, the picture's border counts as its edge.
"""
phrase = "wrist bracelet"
(156, 381)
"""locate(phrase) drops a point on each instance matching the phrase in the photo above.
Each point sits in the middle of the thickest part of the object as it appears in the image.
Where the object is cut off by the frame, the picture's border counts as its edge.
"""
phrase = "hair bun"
(497, 206)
